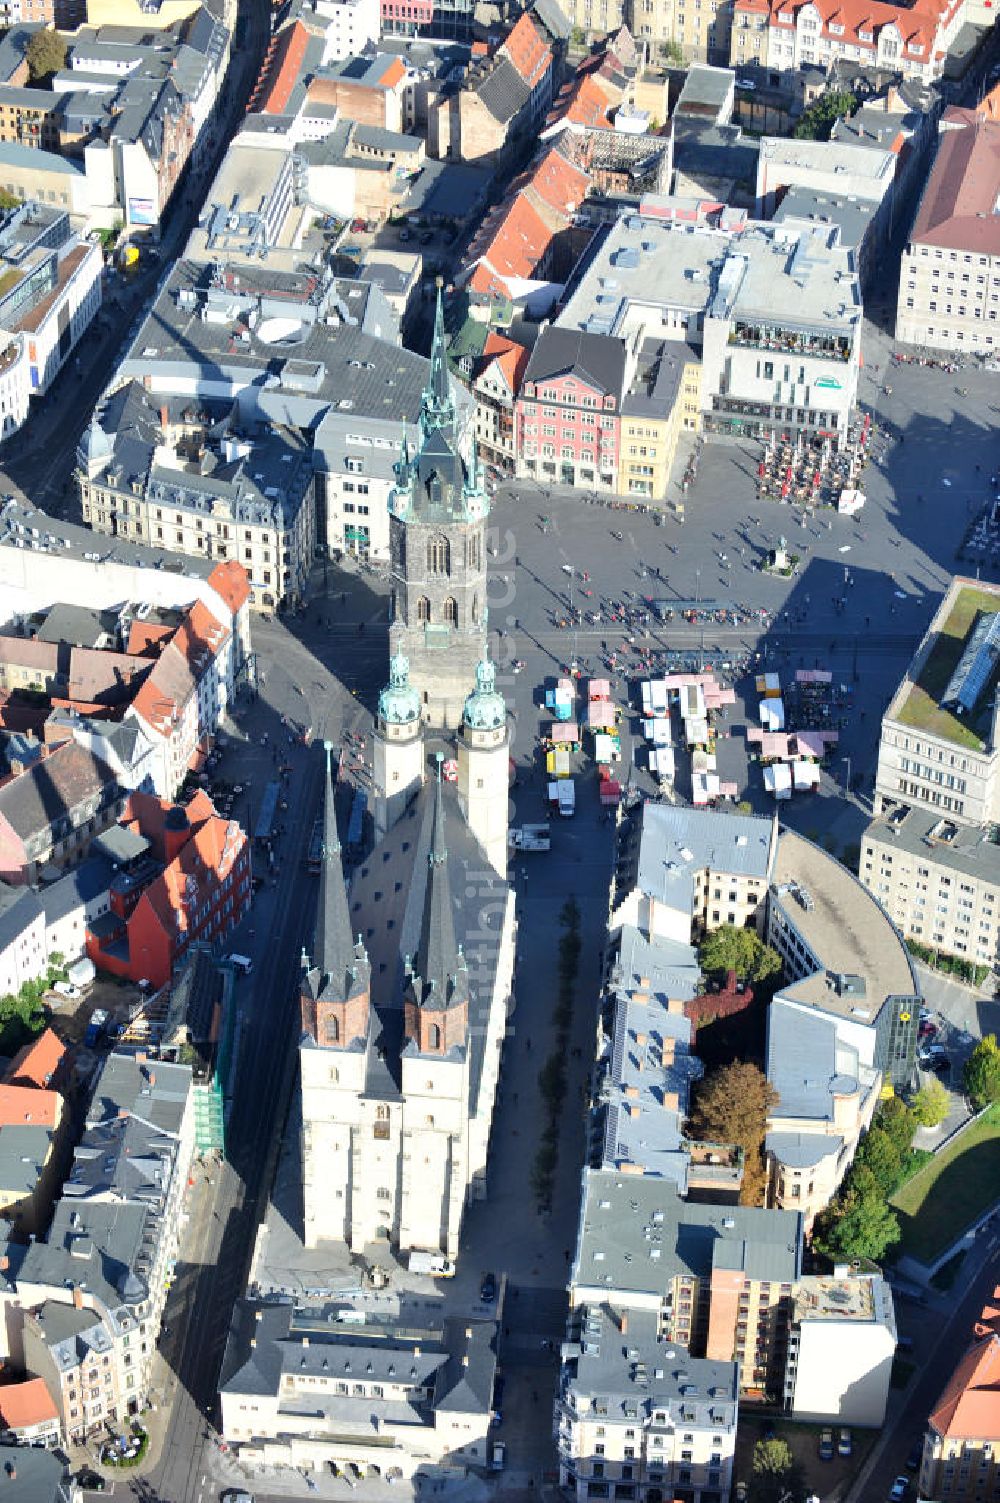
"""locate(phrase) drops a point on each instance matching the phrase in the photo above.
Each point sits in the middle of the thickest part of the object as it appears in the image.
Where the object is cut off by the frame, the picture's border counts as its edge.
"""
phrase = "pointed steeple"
(441, 979)
(336, 957)
(437, 407)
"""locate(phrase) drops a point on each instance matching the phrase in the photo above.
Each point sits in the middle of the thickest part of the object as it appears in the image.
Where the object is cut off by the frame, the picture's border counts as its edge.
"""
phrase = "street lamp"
(847, 785)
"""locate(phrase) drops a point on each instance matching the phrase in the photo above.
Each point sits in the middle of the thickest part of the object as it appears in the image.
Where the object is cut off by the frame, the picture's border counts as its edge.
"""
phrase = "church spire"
(438, 961)
(437, 407)
(334, 953)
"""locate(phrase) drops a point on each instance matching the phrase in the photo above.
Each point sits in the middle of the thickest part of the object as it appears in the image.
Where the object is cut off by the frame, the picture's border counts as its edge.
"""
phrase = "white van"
(243, 963)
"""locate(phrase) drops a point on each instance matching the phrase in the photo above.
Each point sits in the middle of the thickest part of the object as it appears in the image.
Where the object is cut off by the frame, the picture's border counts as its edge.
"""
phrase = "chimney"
(253, 1343)
(4, 1264)
(305, 1341)
(152, 1077)
(140, 1056)
(77, 1297)
(164, 416)
(623, 1323)
(11, 1470)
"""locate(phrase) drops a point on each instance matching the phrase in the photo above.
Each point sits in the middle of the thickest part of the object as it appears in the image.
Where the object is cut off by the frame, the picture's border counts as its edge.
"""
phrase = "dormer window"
(837, 28)
(865, 36)
(916, 48)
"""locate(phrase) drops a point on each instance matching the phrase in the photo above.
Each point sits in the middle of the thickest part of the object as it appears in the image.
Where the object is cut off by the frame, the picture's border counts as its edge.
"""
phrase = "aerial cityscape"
(500, 751)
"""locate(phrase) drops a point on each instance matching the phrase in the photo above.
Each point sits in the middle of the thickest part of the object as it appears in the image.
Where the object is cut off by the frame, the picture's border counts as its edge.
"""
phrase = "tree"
(858, 1224)
(45, 54)
(774, 1471)
(982, 1073)
(731, 1106)
(931, 1103)
(879, 1155)
(741, 950)
(772, 1458)
(818, 120)
(895, 1118)
(8, 200)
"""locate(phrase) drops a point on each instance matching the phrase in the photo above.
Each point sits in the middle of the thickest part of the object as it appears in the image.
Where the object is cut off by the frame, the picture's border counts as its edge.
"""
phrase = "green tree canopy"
(982, 1073)
(858, 1224)
(895, 1118)
(879, 1155)
(930, 1105)
(45, 54)
(731, 1106)
(818, 120)
(741, 950)
(772, 1458)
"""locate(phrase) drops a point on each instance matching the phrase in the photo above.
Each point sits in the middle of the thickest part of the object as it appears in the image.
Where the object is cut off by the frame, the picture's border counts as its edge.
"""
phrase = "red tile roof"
(282, 64)
(146, 635)
(958, 207)
(179, 668)
(969, 1408)
(528, 50)
(197, 871)
(509, 356)
(20, 1105)
(857, 23)
(38, 1062)
(25, 1404)
(231, 583)
(514, 240)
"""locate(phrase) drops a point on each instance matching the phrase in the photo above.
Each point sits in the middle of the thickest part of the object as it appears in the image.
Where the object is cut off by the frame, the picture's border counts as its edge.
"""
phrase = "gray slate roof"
(154, 1090)
(19, 908)
(504, 92)
(597, 359)
(33, 1475)
(636, 1235)
(634, 1371)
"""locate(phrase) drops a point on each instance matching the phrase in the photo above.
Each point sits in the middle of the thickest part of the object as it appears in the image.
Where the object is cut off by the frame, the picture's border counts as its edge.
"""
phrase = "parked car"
(928, 1029)
(899, 1489)
(488, 1289)
(358, 226)
(426, 237)
(826, 1445)
(940, 1066)
(844, 1443)
(405, 234)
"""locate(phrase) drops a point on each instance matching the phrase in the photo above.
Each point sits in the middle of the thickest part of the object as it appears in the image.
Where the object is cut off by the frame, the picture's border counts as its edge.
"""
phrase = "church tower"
(435, 1063)
(335, 1001)
(398, 746)
(483, 766)
(437, 518)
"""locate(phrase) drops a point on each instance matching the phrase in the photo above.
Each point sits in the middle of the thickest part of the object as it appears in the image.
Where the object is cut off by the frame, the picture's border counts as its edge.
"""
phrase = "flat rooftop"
(917, 701)
(624, 1371)
(857, 1299)
(797, 276)
(844, 928)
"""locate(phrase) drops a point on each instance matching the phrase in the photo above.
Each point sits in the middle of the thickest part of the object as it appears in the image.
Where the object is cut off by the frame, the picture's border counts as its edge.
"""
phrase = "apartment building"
(775, 311)
(939, 881)
(680, 871)
(87, 1303)
(184, 877)
(962, 1440)
(635, 1411)
(939, 747)
(52, 811)
(567, 419)
(662, 402)
(495, 385)
(949, 280)
(338, 389)
(33, 1125)
(717, 1279)
(244, 495)
(502, 102)
(300, 1390)
(783, 35)
(23, 950)
(841, 1346)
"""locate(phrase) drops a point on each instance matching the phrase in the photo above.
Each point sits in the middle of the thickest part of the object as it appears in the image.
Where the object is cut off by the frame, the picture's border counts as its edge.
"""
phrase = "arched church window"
(332, 1031)
(382, 1114)
(392, 605)
(434, 1036)
(475, 610)
(439, 556)
(451, 612)
(423, 609)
